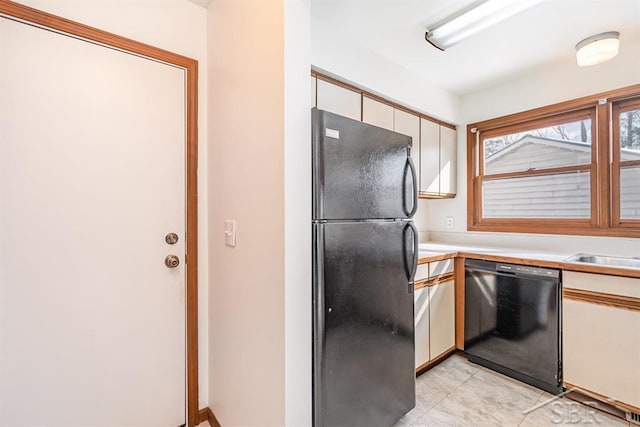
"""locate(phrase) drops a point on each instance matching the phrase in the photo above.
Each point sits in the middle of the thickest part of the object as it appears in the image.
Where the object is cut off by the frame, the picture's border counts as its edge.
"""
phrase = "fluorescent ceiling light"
(478, 16)
(597, 49)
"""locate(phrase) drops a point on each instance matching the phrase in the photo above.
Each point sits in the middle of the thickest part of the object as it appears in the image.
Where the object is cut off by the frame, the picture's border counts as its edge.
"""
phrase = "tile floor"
(460, 393)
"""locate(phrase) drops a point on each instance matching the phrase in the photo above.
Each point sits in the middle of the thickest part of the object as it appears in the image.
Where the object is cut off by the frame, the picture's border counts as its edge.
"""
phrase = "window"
(569, 168)
(542, 170)
(626, 161)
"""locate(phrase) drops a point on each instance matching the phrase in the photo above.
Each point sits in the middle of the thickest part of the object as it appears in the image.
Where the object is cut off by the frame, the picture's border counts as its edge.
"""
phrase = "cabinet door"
(429, 157)
(339, 100)
(314, 81)
(377, 113)
(409, 124)
(421, 310)
(448, 160)
(601, 349)
(441, 318)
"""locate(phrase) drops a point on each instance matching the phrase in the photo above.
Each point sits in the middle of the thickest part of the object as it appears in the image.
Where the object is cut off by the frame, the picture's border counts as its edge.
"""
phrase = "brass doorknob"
(172, 261)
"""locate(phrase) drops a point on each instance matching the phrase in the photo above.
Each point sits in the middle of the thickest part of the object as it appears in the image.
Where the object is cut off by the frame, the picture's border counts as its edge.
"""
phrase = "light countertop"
(433, 251)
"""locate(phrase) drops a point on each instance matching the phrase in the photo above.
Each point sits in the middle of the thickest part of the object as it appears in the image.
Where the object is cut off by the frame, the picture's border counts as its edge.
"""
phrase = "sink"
(606, 260)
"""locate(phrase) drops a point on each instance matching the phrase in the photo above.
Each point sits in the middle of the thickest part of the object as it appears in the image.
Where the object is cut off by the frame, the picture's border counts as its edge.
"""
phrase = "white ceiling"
(538, 37)
(203, 3)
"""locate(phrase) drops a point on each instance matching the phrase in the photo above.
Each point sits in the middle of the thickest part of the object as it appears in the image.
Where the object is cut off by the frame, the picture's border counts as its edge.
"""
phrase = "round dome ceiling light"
(597, 49)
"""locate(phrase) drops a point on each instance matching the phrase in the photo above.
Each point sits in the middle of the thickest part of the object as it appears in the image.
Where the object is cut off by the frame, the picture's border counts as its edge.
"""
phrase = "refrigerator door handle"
(416, 242)
(411, 253)
(410, 167)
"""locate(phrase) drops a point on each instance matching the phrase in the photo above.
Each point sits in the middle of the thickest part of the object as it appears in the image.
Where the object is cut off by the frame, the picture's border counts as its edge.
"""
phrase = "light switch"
(230, 233)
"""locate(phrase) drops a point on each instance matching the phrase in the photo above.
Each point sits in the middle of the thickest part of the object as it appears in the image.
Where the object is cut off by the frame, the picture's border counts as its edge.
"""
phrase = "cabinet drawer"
(422, 272)
(440, 268)
(624, 286)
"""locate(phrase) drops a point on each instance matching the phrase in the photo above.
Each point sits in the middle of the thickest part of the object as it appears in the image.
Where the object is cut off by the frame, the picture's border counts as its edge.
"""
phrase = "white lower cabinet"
(434, 321)
(442, 318)
(601, 340)
(602, 350)
(421, 310)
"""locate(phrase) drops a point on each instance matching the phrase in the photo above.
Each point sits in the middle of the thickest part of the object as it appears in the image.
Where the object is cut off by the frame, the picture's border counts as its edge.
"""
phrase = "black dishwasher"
(512, 321)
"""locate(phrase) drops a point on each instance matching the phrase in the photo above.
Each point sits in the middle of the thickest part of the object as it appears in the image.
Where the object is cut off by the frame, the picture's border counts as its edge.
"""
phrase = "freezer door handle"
(410, 167)
(416, 241)
(410, 249)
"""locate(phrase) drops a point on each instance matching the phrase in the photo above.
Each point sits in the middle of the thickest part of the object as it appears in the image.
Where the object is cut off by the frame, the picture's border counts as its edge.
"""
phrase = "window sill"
(552, 227)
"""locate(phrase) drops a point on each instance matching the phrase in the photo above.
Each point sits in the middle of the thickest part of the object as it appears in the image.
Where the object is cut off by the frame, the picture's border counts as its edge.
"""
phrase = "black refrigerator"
(365, 250)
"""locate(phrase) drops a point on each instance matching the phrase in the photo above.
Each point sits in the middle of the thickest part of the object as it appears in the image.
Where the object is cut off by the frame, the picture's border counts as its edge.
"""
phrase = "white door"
(92, 178)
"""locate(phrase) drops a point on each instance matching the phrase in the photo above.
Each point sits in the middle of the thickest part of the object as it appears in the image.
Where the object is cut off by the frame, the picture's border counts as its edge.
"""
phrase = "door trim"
(42, 19)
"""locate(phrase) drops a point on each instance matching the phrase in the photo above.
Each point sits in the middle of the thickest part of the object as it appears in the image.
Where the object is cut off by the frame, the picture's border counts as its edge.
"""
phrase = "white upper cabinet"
(339, 100)
(438, 160)
(448, 159)
(429, 157)
(377, 113)
(434, 151)
(409, 124)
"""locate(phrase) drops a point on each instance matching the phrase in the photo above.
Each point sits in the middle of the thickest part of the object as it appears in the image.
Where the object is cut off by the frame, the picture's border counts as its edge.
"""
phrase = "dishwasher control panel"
(530, 270)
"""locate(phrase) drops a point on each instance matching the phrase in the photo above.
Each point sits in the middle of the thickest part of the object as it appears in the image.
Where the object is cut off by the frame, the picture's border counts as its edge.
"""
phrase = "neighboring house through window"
(570, 168)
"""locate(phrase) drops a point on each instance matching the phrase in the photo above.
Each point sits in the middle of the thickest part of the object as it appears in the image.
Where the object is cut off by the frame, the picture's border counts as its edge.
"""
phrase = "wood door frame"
(61, 25)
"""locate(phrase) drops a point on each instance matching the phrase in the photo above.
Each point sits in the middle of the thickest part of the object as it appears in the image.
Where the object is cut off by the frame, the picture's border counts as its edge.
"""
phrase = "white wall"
(548, 85)
(297, 157)
(260, 305)
(337, 55)
(554, 83)
(177, 26)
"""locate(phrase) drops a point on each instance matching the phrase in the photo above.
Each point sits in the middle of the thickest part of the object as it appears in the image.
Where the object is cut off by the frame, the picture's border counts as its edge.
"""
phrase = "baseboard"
(435, 361)
(206, 414)
(203, 415)
(611, 406)
(213, 421)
